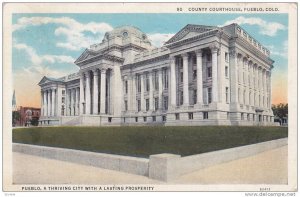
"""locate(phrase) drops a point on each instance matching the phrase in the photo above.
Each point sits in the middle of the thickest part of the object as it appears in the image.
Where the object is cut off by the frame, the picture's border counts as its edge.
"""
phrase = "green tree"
(15, 117)
(280, 110)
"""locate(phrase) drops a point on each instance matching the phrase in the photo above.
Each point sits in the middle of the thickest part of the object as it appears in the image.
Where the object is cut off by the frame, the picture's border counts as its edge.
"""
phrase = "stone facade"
(203, 75)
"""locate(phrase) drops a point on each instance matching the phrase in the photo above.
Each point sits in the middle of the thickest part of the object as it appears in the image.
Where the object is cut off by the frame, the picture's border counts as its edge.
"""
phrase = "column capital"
(198, 52)
(214, 48)
(184, 55)
(87, 73)
(95, 71)
(172, 59)
(103, 71)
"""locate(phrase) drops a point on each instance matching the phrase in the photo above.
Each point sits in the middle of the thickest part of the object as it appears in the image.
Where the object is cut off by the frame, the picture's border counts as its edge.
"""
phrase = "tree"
(15, 117)
(34, 121)
(280, 110)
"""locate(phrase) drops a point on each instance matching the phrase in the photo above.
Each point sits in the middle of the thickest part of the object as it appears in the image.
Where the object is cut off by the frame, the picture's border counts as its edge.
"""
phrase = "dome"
(126, 32)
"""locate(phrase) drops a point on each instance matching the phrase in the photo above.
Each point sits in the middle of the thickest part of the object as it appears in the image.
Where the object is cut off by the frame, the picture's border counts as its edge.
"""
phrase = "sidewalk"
(268, 167)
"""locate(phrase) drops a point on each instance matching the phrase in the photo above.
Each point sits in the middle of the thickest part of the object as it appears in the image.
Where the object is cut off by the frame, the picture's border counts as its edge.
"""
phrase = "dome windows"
(125, 34)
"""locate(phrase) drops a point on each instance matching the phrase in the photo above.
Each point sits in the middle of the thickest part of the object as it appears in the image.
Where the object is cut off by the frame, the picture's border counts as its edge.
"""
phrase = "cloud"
(158, 39)
(266, 28)
(74, 31)
(38, 63)
(281, 51)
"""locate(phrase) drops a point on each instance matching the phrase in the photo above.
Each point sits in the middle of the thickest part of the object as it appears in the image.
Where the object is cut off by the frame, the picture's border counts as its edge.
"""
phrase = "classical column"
(48, 104)
(199, 77)
(266, 88)
(214, 51)
(77, 102)
(151, 108)
(42, 103)
(143, 107)
(185, 79)
(95, 94)
(88, 93)
(270, 90)
(74, 101)
(160, 88)
(132, 93)
(173, 81)
(103, 91)
(81, 88)
(45, 103)
(71, 103)
(52, 102)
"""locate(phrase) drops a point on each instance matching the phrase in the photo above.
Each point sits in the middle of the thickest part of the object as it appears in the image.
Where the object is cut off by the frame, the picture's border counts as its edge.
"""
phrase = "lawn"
(145, 141)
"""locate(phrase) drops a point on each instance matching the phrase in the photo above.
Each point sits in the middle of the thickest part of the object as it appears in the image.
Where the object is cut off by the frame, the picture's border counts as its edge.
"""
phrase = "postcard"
(150, 97)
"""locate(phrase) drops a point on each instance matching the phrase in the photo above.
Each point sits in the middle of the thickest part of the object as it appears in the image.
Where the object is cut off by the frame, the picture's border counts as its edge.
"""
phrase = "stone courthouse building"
(203, 75)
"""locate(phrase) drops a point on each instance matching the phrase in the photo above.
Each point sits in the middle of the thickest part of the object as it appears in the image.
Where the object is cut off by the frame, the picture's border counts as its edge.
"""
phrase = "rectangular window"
(156, 103)
(165, 79)
(138, 79)
(154, 118)
(136, 119)
(209, 72)
(194, 74)
(164, 118)
(195, 96)
(191, 116)
(209, 95)
(242, 116)
(63, 92)
(248, 117)
(165, 103)
(227, 94)
(181, 97)
(156, 80)
(226, 71)
(205, 115)
(147, 83)
(126, 105)
(139, 105)
(63, 100)
(177, 116)
(145, 119)
(226, 57)
(147, 104)
(109, 119)
(181, 76)
(126, 86)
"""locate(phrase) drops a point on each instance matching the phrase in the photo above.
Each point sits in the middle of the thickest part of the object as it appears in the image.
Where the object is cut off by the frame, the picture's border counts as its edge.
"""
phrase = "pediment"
(87, 54)
(45, 80)
(189, 31)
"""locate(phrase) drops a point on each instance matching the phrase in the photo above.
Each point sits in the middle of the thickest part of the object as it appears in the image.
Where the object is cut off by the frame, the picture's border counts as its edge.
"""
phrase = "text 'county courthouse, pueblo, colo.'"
(203, 75)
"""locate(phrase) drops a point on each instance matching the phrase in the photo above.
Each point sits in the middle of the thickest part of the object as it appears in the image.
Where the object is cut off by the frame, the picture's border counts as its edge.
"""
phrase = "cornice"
(155, 59)
(188, 40)
(100, 57)
(255, 51)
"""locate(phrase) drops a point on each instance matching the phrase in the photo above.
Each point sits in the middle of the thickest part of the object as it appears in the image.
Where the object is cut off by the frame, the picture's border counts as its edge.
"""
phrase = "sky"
(48, 44)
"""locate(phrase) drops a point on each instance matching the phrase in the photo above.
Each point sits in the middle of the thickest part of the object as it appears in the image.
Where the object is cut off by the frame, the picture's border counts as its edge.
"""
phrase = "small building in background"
(28, 116)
